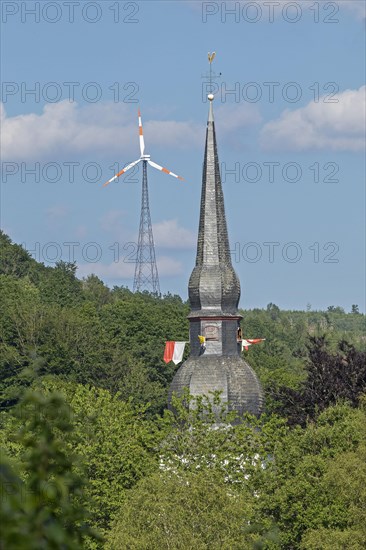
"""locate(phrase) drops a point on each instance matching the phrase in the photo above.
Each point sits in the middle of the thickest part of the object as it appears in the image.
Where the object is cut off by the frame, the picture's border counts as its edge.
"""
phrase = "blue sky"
(291, 138)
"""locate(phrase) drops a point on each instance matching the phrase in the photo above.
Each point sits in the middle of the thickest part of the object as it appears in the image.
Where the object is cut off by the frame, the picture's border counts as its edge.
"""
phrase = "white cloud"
(66, 128)
(178, 135)
(334, 126)
(117, 270)
(168, 234)
(167, 267)
(61, 128)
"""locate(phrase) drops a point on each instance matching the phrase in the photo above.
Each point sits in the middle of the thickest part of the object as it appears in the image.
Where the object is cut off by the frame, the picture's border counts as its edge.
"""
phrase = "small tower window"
(211, 333)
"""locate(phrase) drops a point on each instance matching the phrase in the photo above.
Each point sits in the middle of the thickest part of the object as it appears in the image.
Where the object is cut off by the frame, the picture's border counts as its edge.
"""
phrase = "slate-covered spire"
(214, 292)
(214, 287)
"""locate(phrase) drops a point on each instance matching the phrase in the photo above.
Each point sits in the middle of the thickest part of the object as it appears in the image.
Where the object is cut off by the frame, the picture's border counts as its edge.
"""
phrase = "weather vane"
(211, 57)
(211, 76)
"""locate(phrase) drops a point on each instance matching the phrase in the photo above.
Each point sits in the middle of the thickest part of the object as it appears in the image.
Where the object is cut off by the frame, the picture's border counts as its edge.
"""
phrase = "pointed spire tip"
(210, 97)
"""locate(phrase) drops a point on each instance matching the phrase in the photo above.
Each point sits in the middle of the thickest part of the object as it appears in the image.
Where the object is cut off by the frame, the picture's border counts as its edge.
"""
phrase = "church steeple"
(214, 292)
(214, 287)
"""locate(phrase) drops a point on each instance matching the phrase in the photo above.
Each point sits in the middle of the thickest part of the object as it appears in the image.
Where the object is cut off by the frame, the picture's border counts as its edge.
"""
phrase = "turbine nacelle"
(145, 157)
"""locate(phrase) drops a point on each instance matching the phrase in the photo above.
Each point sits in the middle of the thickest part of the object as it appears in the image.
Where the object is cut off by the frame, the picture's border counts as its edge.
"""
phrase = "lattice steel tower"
(146, 272)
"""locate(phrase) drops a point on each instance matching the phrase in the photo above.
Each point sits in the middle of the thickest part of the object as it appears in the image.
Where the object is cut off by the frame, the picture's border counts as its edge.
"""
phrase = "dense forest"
(91, 457)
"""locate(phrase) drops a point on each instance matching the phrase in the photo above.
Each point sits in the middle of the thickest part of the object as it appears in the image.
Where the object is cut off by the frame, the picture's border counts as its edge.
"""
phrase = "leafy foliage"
(94, 433)
(42, 506)
(191, 511)
(282, 487)
(330, 377)
(297, 487)
(82, 331)
(113, 439)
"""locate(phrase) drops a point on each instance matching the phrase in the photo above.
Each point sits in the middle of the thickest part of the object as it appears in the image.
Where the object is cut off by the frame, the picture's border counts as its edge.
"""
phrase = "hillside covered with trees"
(92, 458)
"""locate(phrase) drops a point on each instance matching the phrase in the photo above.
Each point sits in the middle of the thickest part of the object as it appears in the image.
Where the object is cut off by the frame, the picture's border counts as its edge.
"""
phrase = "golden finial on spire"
(211, 57)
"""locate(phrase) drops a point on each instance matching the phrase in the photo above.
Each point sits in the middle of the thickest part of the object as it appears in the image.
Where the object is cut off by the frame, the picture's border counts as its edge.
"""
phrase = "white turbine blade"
(141, 134)
(165, 170)
(122, 172)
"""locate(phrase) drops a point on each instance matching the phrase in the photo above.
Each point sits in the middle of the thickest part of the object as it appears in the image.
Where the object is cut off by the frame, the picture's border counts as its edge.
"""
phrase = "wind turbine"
(146, 272)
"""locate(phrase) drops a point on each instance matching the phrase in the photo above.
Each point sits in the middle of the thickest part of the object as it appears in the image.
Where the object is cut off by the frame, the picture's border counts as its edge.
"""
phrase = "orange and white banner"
(249, 342)
(174, 352)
